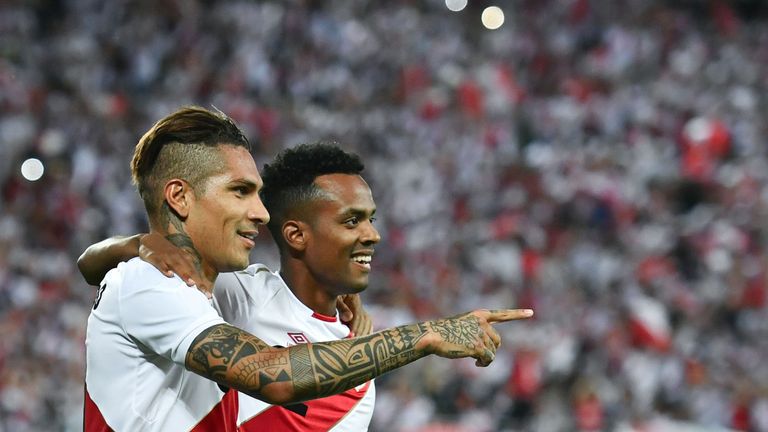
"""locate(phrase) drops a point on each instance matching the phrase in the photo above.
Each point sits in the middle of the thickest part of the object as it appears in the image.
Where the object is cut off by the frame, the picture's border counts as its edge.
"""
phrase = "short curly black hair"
(289, 178)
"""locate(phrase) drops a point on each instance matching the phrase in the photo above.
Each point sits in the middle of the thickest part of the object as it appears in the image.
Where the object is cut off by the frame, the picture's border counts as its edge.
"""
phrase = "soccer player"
(320, 207)
(322, 214)
(157, 349)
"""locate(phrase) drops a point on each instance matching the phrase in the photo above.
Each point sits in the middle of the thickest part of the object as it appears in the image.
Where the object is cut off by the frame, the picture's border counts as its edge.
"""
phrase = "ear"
(295, 234)
(179, 196)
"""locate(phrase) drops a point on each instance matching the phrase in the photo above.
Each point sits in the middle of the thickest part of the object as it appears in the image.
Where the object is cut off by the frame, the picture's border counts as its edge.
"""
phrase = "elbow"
(278, 394)
(82, 266)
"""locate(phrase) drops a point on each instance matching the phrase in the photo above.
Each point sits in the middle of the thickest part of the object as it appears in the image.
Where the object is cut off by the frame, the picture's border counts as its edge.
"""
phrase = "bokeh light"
(493, 17)
(32, 169)
(456, 5)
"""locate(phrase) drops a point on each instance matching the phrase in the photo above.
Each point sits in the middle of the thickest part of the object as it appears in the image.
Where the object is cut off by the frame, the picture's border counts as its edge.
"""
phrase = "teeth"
(363, 259)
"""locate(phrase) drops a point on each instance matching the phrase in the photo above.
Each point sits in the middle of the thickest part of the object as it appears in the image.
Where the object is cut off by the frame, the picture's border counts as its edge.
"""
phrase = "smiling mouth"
(363, 260)
(249, 236)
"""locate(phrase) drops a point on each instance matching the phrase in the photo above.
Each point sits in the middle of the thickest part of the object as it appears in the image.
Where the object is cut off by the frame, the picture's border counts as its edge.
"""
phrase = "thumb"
(345, 313)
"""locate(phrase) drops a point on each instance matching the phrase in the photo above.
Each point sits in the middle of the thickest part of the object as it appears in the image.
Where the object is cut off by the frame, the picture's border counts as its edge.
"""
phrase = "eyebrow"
(356, 211)
(243, 182)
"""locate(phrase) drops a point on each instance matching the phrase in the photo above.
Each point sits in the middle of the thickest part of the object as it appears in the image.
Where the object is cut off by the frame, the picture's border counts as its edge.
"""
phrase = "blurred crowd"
(604, 163)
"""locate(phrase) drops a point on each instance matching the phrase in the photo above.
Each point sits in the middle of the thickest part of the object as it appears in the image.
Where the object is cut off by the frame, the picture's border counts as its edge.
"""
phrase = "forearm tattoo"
(326, 369)
(234, 358)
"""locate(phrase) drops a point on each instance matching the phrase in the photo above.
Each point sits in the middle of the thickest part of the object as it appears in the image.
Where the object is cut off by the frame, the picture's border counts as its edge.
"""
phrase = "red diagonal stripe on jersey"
(322, 414)
(93, 421)
(223, 417)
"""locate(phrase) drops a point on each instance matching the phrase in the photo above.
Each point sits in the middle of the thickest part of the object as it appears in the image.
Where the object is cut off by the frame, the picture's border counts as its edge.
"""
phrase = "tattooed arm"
(153, 248)
(239, 360)
(99, 258)
(170, 259)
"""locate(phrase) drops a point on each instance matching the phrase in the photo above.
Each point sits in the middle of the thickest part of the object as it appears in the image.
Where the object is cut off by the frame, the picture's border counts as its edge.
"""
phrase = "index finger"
(502, 315)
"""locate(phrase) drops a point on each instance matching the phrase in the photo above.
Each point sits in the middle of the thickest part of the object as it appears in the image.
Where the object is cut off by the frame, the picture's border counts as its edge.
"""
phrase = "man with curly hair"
(322, 214)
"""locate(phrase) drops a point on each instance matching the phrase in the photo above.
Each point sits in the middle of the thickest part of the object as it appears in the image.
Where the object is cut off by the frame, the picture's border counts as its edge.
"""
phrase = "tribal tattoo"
(180, 238)
(230, 356)
(235, 358)
(341, 365)
(462, 330)
(169, 217)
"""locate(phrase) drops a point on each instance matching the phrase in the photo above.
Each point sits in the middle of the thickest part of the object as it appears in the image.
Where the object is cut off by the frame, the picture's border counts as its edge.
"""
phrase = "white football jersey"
(258, 301)
(139, 330)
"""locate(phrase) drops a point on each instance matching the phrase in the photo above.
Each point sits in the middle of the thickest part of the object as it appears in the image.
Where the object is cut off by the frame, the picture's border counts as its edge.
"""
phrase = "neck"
(306, 288)
(172, 228)
(184, 242)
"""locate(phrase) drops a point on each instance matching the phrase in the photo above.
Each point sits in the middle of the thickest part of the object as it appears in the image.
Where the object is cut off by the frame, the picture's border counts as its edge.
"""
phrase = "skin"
(235, 358)
(319, 264)
(211, 225)
(227, 355)
(155, 249)
(208, 224)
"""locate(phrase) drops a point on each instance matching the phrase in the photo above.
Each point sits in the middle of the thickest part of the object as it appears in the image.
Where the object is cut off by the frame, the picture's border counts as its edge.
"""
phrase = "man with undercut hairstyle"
(156, 349)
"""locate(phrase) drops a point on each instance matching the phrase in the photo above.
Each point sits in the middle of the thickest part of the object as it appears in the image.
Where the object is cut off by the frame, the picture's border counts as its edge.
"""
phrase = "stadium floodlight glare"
(456, 5)
(32, 169)
(493, 17)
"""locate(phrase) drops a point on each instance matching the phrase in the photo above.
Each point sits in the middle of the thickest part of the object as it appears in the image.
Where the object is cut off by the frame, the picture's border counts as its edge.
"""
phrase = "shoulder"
(253, 276)
(255, 270)
(153, 307)
(256, 281)
(137, 275)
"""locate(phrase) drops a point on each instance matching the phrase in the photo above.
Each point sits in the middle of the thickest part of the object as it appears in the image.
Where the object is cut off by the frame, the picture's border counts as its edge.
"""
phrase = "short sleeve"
(166, 316)
(232, 301)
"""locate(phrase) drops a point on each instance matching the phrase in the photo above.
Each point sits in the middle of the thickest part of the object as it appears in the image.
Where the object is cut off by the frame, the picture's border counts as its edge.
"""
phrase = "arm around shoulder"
(99, 258)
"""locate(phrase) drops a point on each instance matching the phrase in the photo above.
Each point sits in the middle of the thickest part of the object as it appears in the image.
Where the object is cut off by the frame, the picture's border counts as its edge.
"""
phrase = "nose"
(370, 235)
(257, 212)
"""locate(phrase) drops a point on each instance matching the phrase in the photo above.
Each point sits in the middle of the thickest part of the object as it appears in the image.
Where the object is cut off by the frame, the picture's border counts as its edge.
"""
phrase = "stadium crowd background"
(602, 162)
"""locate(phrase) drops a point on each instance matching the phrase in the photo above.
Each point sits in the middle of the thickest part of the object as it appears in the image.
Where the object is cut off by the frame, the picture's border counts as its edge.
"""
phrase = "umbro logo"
(298, 338)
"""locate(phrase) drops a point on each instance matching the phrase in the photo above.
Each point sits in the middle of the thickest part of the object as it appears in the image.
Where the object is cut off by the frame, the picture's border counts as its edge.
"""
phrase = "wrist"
(140, 242)
(137, 239)
(131, 247)
(430, 340)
